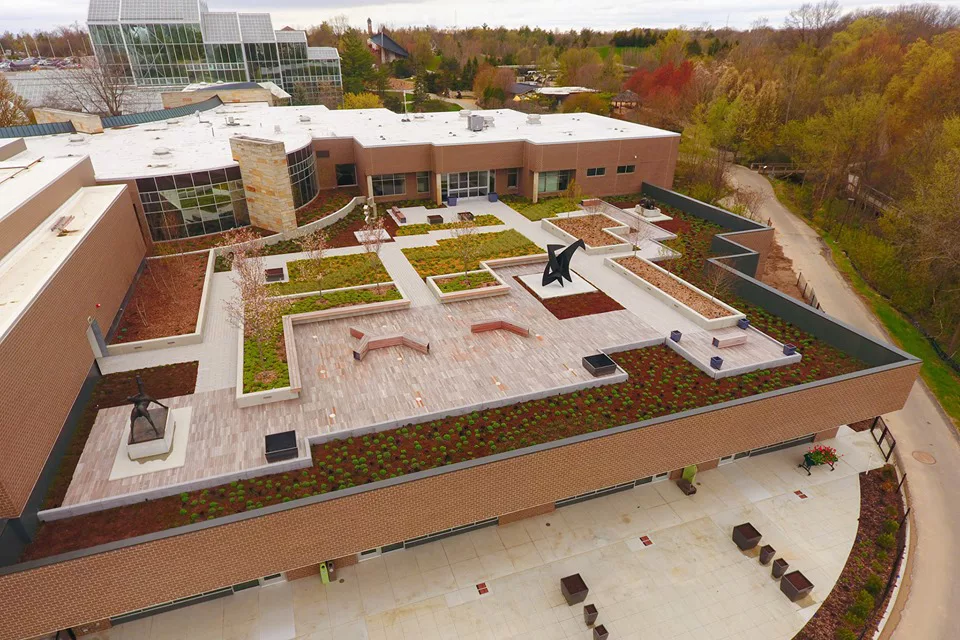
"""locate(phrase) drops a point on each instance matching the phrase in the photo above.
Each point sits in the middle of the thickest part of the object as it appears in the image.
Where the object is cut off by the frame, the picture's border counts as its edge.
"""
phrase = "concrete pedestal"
(144, 442)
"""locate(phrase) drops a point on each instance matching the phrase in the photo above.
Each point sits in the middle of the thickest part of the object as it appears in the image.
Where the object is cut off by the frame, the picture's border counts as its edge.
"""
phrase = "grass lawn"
(941, 379)
(445, 257)
(545, 208)
(271, 372)
(485, 220)
(338, 271)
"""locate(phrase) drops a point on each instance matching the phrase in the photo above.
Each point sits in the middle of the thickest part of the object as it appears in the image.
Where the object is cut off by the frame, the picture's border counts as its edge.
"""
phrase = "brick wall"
(266, 182)
(173, 99)
(115, 582)
(46, 356)
(82, 122)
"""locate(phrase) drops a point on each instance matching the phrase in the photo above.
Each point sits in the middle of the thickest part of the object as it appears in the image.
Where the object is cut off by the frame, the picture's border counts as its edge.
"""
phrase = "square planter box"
(492, 197)
(746, 536)
(574, 589)
(766, 554)
(451, 202)
(779, 567)
(589, 614)
(795, 586)
(599, 365)
(743, 323)
(716, 362)
(675, 335)
(600, 632)
(789, 349)
(281, 446)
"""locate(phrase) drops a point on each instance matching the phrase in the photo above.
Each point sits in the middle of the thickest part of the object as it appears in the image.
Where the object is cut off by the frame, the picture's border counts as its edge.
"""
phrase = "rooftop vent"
(171, 122)
(76, 139)
(161, 151)
(276, 129)
(232, 122)
(465, 113)
(475, 123)
(304, 118)
(533, 118)
(418, 116)
(487, 122)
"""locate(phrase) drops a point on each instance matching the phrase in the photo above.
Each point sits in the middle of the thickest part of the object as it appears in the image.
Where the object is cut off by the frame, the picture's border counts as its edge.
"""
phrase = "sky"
(549, 14)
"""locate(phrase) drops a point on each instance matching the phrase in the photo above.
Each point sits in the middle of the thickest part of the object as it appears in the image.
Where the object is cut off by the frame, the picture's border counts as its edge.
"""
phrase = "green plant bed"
(426, 203)
(485, 220)
(545, 208)
(660, 383)
(476, 280)
(338, 271)
(270, 371)
(444, 258)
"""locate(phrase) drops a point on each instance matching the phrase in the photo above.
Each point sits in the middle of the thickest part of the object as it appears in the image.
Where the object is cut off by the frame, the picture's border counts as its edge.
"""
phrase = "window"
(626, 168)
(390, 184)
(555, 180)
(303, 176)
(323, 153)
(423, 182)
(513, 178)
(346, 175)
(193, 204)
(594, 172)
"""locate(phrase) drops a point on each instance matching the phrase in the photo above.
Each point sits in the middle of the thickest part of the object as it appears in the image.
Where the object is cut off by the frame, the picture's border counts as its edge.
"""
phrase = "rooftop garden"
(336, 272)
(270, 371)
(485, 220)
(694, 236)
(448, 255)
(112, 390)
(660, 383)
(166, 299)
(589, 228)
(544, 208)
(474, 280)
(426, 203)
(327, 201)
(577, 305)
(199, 243)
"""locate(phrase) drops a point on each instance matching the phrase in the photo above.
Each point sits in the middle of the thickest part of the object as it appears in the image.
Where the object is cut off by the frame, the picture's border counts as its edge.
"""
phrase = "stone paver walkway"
(692, 583)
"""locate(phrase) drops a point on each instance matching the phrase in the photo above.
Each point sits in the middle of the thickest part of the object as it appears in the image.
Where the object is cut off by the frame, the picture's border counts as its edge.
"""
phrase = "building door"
(465, 184)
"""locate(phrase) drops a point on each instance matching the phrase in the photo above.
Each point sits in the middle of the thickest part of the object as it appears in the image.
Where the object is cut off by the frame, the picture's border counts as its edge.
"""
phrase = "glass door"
(465, 184)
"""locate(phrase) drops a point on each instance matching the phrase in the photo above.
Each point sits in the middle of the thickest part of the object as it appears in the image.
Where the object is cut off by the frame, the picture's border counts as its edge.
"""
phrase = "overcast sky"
(16, 15)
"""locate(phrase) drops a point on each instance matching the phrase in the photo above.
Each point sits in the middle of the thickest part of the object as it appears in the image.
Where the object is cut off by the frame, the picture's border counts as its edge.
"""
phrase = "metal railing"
(807, 292)
(885, 438)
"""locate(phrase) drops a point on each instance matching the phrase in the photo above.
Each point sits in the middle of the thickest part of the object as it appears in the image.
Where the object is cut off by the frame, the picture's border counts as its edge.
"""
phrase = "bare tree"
(746, 202)
(92, 89)
(13, 108)
(315, 246)
(253, 310)
(464, 235)
(718, 282)
(813, 22)
(372, 236)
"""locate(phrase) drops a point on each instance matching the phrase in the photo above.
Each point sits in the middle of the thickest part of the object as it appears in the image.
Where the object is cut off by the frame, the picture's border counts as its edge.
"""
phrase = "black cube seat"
(281, 446)
(599, 364)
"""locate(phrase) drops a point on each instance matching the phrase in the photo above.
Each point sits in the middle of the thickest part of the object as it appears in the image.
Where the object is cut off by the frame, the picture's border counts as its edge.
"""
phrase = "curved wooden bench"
(369, 343)
(494, 325)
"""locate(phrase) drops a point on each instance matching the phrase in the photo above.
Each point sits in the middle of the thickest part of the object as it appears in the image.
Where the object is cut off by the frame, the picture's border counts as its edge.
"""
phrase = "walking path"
(692, 582)
(930, 609)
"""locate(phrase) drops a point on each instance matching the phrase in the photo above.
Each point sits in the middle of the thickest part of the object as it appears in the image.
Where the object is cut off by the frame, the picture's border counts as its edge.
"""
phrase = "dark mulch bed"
(112, 390)
(575, 306)
(879, 504)
(340, 233)
(327, 201)
(165, 300)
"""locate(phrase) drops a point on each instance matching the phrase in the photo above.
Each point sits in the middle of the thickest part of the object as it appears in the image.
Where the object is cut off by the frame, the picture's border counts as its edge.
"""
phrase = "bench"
(494, 325)
(274, 275)
(465, 216)
(370, 343)
(398, 215)
(435, 218)
(729, 341)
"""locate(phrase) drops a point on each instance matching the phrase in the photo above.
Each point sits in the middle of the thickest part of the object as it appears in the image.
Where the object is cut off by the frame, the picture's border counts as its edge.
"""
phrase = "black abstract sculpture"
(558, 265)
(141, 407)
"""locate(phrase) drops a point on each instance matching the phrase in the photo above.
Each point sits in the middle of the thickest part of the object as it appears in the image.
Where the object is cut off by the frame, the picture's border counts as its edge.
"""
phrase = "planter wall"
(615, 227)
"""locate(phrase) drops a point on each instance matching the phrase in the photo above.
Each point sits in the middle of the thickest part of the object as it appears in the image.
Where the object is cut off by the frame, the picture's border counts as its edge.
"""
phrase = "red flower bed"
(575, 306)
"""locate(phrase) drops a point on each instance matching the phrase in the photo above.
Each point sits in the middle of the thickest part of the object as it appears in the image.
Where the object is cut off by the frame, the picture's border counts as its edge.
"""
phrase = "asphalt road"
(931, 610)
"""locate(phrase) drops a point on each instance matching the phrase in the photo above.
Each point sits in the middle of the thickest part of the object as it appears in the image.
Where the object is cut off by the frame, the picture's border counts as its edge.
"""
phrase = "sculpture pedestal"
(144, 442)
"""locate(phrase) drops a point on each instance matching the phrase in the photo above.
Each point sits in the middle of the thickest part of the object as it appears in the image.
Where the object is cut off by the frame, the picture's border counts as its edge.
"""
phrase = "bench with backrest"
(495, 325)
(398, 215)
(274, 274)
(369, 343)
(729, 341)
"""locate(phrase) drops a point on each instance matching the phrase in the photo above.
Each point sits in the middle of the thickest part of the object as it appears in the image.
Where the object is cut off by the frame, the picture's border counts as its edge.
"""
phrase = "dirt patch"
(589, 229)
(340, 233)
(165, 300)
(778, 272)
(112, 390)
(863, 425)
(575, 306)
(702, 305)
(869, 566)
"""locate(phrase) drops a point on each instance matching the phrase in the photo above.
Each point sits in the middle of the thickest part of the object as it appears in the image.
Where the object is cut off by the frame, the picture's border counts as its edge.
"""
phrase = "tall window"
(423, 182)
(513, 178)
(302, 166)
(263, 62)
(555, 180)
(389, 184)
(626, 168)
(595, 172)
(346, 175)
(193, 204)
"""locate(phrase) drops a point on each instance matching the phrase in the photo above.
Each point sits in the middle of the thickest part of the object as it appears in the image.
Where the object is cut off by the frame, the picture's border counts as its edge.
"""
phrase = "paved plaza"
(692, 583)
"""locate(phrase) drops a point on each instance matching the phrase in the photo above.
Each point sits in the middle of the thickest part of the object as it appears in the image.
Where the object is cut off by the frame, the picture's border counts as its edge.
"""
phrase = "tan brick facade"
(82, 122)
(303, 572)
(46, 356)
(173, 99)
(266, 182)
(46, 598)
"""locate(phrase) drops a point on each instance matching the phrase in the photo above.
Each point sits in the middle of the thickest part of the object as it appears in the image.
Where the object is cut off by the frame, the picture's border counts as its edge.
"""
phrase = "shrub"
(891, 526)
(863, 605)
(874, 585)
(886, 541)
(845, 634)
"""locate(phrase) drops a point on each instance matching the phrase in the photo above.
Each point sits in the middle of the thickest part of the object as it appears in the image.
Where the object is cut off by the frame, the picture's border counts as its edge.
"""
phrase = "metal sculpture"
(558, 265)
(141, 407)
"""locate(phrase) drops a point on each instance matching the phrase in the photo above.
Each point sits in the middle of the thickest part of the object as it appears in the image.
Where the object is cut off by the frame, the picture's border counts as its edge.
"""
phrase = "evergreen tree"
(356, 63)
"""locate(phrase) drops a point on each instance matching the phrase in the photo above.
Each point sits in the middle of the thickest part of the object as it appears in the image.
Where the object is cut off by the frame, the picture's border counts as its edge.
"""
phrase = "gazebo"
(625, 100)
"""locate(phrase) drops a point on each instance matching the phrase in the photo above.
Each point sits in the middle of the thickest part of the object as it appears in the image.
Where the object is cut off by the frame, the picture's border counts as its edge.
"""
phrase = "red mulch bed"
(112, 390)
(879, 503)
(575, 306)
(676, 225)
(340, 234)
(165, 300)
(327, 201)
